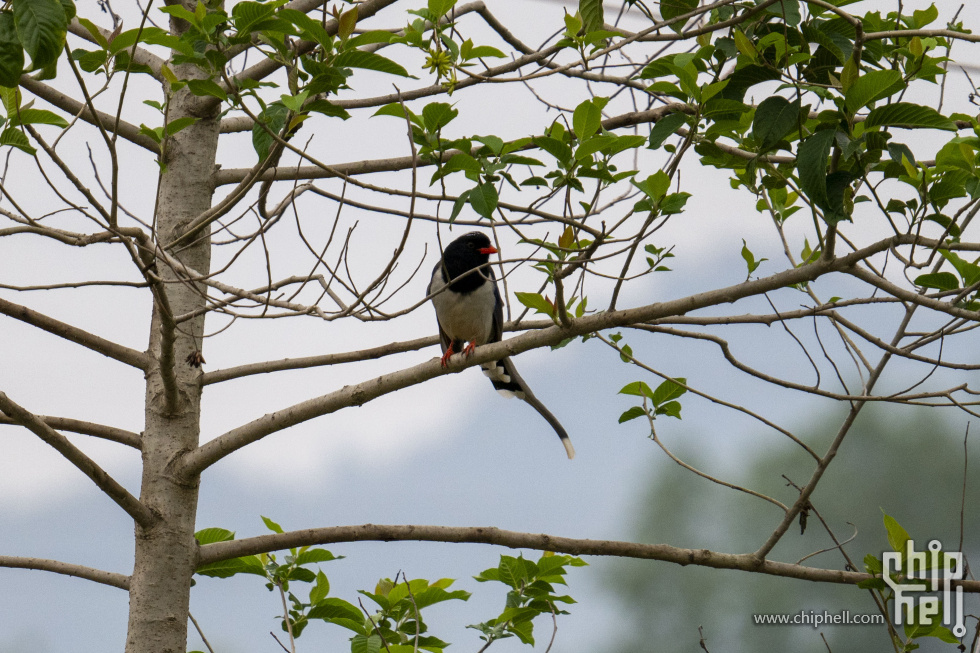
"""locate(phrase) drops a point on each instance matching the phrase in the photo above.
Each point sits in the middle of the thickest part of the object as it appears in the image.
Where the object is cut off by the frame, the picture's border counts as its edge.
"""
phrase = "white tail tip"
(569, 449)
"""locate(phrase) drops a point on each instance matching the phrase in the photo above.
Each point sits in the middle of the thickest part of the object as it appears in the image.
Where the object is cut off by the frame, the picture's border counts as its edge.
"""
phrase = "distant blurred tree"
(668, 603)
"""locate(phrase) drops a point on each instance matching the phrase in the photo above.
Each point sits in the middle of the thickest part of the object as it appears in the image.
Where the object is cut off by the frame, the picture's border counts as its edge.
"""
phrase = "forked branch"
(143, 515)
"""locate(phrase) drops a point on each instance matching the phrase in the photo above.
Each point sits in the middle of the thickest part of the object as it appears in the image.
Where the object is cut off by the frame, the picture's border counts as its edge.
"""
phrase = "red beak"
(488, 250)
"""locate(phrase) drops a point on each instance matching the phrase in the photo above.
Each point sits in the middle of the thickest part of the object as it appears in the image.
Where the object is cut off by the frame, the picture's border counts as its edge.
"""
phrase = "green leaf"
(479, 51)
(315, 555)
(320, 590)
(524, 631)
(437, 115)
(775, 117)
(671, 409)
(969, 272)
(872, 86)
(432, 595)
(212, 535)
(274, 116)
(573, 23)
(923, 17)
(206, 87)
(294, 102)
(155, 36)
(674, 203)
(587, 118)
(665, 128)
(668, 390)
(897, 536)
(520, 160)
(555, 148)
(365, 644)
(395, 110)
(848, 75)
(593, 144)
(175, 126)
(458, 205)
(744, 45)
(537, 302)
(369, 38)
(938, 280)
(271, 525)
(592, 17)
(632, 413)
(41, 26)
(788, 10)
(873, 584)
(248, 16)
(459, 161)
(495, 143)
(812, 166)
(328, 109)
(908, 116)
(11, 51)
(483, 198)
(15, 138)
(638, 389)
(336, 610)
(229, 568)
(155, 134)
(124, 41)
(872, 564)
(347, 22)
(37, 117)
(749, 258)
(370, 61)
(440, 8)
(946, 222)
(95, 32)
(672, 8)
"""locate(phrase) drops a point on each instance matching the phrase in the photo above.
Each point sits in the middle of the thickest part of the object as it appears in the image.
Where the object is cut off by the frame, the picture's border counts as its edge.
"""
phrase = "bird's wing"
(437, 283)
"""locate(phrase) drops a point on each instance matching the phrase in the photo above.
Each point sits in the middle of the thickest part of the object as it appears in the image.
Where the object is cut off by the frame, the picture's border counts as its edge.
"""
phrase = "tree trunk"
(166, 552)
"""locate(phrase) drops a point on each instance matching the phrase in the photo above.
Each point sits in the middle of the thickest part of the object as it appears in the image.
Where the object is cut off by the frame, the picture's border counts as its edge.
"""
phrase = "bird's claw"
(445, 357)
(467, 351)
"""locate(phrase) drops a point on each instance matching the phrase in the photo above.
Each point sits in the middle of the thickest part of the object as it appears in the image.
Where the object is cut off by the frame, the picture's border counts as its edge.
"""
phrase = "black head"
(466, 253)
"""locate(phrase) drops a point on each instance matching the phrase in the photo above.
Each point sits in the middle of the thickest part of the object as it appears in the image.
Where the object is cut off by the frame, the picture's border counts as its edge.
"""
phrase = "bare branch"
(356, 395)
(137, 359)
(143, 515)
(78, 571)
(69, 104)
(516, 540)
(219, 376)
(86, 428)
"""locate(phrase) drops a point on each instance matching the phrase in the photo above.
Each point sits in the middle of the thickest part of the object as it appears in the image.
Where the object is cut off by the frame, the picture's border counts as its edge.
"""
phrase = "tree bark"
(166, 553)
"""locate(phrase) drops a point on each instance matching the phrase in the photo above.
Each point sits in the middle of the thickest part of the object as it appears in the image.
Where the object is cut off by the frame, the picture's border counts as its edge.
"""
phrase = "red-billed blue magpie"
(470, 310)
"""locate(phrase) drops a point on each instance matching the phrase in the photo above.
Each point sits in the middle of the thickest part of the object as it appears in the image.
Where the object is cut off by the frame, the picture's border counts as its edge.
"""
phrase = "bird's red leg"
(449, 352)
(468, 349)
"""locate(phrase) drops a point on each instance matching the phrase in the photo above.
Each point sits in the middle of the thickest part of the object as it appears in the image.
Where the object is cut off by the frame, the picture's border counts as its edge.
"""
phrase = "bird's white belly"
(466, 316)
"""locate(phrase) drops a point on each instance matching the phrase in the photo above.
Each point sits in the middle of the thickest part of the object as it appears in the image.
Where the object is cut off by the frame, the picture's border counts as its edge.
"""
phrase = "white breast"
(464, 316)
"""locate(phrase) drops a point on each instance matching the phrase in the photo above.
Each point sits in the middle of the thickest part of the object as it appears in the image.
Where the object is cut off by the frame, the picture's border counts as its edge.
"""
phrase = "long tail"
(509, 383)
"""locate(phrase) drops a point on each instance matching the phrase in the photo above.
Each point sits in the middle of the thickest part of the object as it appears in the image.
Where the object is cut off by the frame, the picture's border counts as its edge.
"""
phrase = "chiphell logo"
(934, 571)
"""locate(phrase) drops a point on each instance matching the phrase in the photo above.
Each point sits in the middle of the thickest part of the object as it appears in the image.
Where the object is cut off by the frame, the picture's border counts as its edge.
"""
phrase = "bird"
(469, 309)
